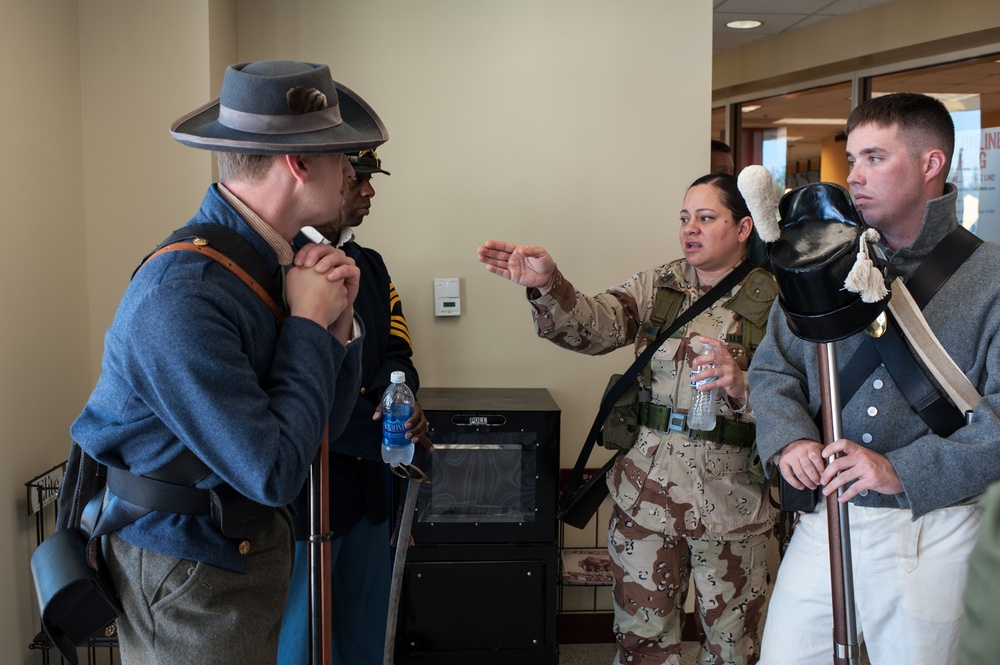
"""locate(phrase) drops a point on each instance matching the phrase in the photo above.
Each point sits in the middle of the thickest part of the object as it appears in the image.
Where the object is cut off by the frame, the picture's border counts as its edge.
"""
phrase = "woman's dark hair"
(731, 197)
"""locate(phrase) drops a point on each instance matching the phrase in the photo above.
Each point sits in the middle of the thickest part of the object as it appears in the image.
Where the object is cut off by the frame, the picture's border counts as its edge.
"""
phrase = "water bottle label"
(700, 382)
(394, 425)
(701, 416)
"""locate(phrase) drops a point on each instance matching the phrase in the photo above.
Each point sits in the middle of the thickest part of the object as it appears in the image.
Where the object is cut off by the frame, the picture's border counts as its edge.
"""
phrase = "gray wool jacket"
(935, 472)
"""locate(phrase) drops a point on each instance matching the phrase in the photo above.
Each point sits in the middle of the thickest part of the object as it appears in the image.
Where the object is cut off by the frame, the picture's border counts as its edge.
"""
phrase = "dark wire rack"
(43, 490)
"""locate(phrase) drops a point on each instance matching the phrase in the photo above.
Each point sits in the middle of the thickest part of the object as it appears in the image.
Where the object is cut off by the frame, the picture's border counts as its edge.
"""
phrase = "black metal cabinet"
(480, 580)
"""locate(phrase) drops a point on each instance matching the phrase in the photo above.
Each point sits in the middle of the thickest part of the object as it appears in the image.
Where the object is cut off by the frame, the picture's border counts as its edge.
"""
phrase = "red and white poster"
(975, 169)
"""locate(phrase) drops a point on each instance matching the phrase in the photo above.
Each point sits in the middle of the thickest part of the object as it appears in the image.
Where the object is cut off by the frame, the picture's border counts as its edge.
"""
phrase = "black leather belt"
(234, 514)
(159, 495)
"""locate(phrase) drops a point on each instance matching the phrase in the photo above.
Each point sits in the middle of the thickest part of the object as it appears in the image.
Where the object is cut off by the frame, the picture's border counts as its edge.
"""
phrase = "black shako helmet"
(820, 239)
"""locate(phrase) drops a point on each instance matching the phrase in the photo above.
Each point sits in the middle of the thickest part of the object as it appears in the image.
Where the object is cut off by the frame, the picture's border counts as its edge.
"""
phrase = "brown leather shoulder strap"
(216, 255)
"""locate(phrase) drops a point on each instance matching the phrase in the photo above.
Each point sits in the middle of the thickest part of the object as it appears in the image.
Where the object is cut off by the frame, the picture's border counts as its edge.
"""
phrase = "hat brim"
(833, 326)
(368, 170)
(361, 128)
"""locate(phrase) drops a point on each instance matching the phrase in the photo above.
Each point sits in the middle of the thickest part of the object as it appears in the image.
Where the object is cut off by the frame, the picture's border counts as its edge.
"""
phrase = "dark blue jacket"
(194, 359)
(358, 477)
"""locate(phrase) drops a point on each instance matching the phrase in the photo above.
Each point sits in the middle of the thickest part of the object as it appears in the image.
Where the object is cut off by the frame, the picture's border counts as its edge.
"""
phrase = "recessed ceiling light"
(744, 24)
(747, 108)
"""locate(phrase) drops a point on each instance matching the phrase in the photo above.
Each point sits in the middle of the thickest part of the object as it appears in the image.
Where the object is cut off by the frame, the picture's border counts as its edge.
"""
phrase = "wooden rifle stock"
(320, 580)
(846, 650)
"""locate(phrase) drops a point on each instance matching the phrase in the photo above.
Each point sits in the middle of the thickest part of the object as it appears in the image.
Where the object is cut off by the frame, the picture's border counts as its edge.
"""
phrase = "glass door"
(970, 89)
(797, 136)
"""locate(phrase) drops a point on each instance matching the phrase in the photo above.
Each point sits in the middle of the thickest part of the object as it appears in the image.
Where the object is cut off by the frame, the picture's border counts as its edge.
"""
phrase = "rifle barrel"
(846, 650)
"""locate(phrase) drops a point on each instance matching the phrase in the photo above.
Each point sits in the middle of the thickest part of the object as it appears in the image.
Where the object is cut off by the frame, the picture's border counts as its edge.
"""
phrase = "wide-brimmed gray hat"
(280, 107)
(366, 162)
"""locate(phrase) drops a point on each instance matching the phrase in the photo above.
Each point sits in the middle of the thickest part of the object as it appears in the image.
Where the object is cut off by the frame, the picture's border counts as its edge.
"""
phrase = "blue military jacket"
(194, 359)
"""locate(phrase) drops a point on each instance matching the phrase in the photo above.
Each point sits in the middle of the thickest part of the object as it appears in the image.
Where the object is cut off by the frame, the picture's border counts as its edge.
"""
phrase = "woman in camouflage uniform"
(686, 503)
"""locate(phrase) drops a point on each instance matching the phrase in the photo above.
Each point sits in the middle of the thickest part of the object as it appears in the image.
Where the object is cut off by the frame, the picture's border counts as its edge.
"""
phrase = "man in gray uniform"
(913, 516)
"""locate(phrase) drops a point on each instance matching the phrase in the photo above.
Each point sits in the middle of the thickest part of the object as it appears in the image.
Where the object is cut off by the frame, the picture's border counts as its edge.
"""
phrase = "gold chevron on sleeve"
(397, 327)
(393, 297)
(397, 323)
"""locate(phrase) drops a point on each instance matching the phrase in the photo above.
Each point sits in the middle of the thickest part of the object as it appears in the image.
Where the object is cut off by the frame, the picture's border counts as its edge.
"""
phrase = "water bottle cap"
(397, 377)
(699, 347)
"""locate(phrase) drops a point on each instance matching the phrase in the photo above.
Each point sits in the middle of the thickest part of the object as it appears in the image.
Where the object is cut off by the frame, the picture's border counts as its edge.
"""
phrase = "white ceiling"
(777, 15)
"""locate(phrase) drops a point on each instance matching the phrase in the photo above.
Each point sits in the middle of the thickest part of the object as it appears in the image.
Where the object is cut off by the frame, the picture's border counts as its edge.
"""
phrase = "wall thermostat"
(447, 301)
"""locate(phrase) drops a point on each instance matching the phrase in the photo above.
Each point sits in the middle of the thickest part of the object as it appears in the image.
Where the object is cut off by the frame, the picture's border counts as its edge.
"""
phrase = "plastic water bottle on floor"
(397, 407)
(701, 416)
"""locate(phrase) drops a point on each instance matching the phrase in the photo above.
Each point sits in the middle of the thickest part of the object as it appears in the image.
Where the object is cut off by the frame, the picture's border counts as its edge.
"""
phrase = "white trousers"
(909, 577)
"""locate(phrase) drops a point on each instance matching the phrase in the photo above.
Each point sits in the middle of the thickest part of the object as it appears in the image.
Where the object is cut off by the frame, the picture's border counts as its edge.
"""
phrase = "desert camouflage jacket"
(669, 482)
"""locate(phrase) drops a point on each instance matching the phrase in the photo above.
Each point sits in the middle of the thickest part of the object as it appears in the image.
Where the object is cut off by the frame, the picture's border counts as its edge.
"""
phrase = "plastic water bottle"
(397, 407)
(701, 416)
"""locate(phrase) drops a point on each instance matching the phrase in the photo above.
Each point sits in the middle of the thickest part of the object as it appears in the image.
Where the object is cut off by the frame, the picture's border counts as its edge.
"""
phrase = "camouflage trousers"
(651, 573)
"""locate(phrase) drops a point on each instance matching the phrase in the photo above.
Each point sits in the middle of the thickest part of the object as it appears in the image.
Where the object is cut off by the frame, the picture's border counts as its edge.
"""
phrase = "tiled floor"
(604, 654)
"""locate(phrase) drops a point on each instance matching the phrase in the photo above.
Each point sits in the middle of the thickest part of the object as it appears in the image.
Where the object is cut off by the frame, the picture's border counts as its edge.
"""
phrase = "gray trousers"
(179, 611)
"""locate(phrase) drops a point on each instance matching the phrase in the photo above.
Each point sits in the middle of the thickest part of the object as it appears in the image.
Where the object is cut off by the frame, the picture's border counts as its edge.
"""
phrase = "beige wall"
(139, 184)
(90, 181)
(552, 123)
(557, 124)
(565, 124)
(891, 32)
(44, 367)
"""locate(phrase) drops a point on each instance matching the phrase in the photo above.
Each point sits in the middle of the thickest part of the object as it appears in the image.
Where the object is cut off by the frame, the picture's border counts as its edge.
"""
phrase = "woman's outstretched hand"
(522, 264)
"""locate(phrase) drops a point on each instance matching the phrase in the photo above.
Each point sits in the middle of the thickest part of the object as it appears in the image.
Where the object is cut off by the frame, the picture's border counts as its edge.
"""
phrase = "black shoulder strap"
(616, 391)
(170, 488)
(84, 478)
(890, 349)
(233, 247)
(941, 264)
(924, 397)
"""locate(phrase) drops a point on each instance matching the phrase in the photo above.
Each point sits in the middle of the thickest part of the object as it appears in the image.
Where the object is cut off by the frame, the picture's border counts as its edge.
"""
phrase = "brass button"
(244, 547)
(363, 390)
(878, 327)
(201, 242)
